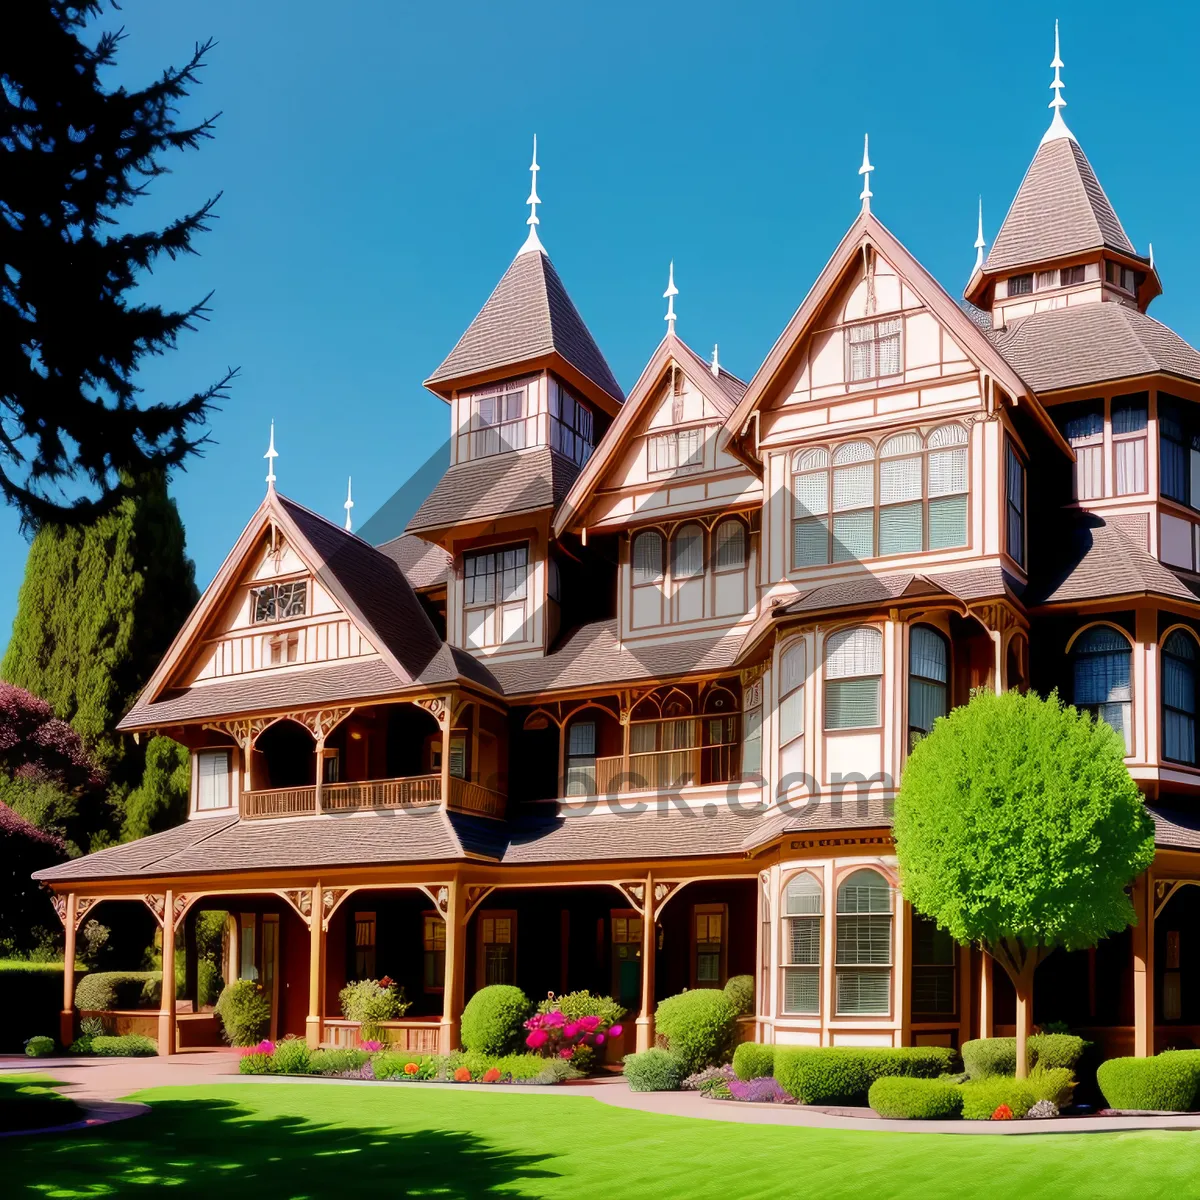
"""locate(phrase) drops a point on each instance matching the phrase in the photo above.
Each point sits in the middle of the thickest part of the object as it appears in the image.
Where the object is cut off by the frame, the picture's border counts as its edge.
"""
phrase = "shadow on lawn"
(216, 1147)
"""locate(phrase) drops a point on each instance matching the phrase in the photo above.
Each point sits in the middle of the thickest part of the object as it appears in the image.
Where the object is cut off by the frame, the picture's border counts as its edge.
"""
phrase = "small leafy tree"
(1019, 828)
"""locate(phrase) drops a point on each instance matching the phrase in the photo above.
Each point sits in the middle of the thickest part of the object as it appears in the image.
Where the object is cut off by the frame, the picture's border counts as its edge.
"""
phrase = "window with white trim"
(497, 956)
(802, 908)
(1179, 698)
(495, 595)
(687, 552)
(678, 450)
(1101, 658)
(901, 494)
(581, 758)
(810, 507)
(1129, 421)
(948, 476)
(793, 672)
(853, 678)
(731, 546)
(853, 502)
(647, 557)
(498, 422)
(863, 965)
(279, 601)
(873, 350)
(1083, 427)
(213, 780)
(928, 679)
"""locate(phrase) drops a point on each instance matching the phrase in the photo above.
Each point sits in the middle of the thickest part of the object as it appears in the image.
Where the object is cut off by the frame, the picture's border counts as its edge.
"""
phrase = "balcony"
(372, 795)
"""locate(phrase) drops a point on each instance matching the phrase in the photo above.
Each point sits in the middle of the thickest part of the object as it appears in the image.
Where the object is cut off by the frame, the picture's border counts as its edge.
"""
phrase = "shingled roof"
(422, 563)
(1092, 343)
(1060, 209)
(867, 590)
(528, 316)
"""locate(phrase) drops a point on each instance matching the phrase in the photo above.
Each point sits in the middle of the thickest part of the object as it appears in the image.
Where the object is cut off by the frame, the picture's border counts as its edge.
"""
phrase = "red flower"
(491, 1075)
(1003, 1113)
(462, 1075)
(411, 1068)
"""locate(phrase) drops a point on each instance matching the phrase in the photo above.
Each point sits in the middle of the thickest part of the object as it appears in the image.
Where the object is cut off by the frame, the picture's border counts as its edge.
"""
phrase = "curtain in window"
(861, 342)
(1085, 423)
(1130, 459)
(928, 676)
(948, 480)
(1129, 413)
(1179, 698)
(1101, 666)
(791, 708)
(901, 517)
(687, 552)
(647, 557)
(731, 545)
(752, 743)
(888, 347)
(853, 665)
(810, 504)
(212, 785)
(1089, 471)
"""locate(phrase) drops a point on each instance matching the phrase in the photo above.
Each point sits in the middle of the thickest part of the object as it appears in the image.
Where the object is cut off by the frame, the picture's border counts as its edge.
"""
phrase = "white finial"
(716, 366)
(532, 242)
(349, 504)
(669, 296)
(271, 455)
(979, 242)
(1152, 256)
(1058, 127)
(865, 171)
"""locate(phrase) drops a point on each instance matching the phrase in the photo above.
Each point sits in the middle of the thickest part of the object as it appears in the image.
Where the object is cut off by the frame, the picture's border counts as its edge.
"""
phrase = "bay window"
(1129, 418)
(1101, 667)
(802, 909)
(495, 595)
(928, 679)
(853, 678)
(1083, 428)
(1179, 698)
(1179, 450)
(571, 425)
(793, 672)
(863, 969)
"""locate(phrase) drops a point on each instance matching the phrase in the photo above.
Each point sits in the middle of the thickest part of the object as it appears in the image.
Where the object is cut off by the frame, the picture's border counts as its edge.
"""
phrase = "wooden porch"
(372, 795)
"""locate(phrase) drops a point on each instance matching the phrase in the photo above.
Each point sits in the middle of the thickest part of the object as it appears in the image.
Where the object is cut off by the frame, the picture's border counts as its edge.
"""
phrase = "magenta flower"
(569, 1031)
(566, 1053)
(589, 1023)
(599, 1039)
(616, 1031)
(536, 1039)
(554, 1020)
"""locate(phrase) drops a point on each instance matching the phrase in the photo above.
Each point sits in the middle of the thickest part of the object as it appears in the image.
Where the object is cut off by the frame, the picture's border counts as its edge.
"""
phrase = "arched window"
(1179, 698)
(802, 953)
(864, 945)
(928, 677)
(687, 552)
(792, 673)
(1101, 668)
(947, 487)
(810, 507)
(731, 546)
(901, 513)
(647, 557)
(853, 502)
(853, 671)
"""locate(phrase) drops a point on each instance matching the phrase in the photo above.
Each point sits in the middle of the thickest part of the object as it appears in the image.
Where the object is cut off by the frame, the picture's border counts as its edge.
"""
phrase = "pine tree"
(75, 157)
(98, 608)
(160, 800)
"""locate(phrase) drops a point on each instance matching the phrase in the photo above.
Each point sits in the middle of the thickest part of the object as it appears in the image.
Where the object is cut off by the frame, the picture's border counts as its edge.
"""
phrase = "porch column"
(320, 756)
(166, 1010)
(645, 1020)
(447, 722)
(454, 984)
(316, 971)
(1143, 966)
(986, 997)
(66, 1023)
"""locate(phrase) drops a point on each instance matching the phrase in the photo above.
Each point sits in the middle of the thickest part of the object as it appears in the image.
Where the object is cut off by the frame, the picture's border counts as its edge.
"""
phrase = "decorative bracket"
(301, 900)
(1164, 892)
(439, 894)
(635, 893)
(331, 898)
(179, 908)
(59, 904)
(156, 902)
(474, 895)
(437, 707)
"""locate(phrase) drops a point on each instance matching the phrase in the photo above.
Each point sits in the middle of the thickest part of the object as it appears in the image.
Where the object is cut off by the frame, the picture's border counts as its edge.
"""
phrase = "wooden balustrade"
(279, 802)
(381, 793)
(372, 794)
(475, 798)
(661, 770)
(418, 1036)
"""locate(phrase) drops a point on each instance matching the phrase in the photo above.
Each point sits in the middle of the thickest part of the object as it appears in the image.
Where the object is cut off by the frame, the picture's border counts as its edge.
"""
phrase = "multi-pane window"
(864, 945)
(914, 492)
(873, 350)
(1070, 275)
(1179, 450)
(364, 945)
(581, 758)
(1083, 427)
(853, 676)
(731, 546)
(928, 677)
(1179, 698)
(793, 671)
(752, 743)
(279, 601)
(1020, 285)
(1101, 658)
(497, 947)
(687, 552)
(1014, 504)
(495, 592)
(498, 422)
(571, 425)
(709, 930)
(647, 557)
(212, 780)
(679, 450)
(934, 957)
(1120, 276)
(1129, 419)
(433, 952)
(802, 947)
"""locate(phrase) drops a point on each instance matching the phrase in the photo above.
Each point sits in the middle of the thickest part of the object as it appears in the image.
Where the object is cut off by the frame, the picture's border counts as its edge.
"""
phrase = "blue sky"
(373, 160)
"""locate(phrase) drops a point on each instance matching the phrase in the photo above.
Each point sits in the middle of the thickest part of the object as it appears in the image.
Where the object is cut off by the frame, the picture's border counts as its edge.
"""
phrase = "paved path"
(113, 1078)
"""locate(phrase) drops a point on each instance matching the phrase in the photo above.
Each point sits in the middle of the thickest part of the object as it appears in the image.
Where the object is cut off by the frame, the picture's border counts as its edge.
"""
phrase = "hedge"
(699, 1026)
(129, 1045)
(653, 1071)
(981, 1097)
(1165, 1083)
(494, 1018)
(985, 1057)
(104, 991)
(31, 998)
(844, 1074)
(740, 989)
(903, 1098)
(753, 1061)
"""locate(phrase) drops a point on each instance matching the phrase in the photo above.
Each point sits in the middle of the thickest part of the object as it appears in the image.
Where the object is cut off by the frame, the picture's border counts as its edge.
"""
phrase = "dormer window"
(495, 595)
(1046, 279)
(873, 350)
(1120, 276)
(279, 601)
(1069, 276)
(498, 422)
(1020, 285)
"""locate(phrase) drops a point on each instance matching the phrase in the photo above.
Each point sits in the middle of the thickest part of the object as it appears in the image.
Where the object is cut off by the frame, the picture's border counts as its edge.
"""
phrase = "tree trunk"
(1019, 965)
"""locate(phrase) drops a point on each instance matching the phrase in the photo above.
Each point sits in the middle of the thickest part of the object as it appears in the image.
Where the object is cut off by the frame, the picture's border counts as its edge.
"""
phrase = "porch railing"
(381, 793)
(372, 794)
(417, 1036)
(666, 769)
(280, 802)
(469, 797)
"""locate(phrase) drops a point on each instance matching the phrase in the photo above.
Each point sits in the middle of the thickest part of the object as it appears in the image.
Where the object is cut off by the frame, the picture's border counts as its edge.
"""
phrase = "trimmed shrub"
(753, 1061)
(553, 1072)
(128, 1045)
(105, 991)
(1165, 1083)
(844, 1074)
(337, 1061)
(291, 1056)
(370, 1001)
(493, 1020)
(395, 1064)
(985, 1057)
(902, 1098)
(244, 1011)
(981, 1097)
(520, 1068)
(1055, 1084)
(31, 995)
(699, 1027)
(39, 1046)
(740, 990)
(654, 1071)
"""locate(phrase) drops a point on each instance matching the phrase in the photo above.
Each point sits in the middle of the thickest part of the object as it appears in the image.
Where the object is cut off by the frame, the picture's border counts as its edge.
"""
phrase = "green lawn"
(30, 1102)
(305, 1140)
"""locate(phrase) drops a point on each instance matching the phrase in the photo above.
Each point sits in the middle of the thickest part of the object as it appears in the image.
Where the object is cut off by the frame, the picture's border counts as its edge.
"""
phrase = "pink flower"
(554, 1020)
(599, 1039)
(589, 1023)
(536, 1039)
(566, 1053)
(616, 1031)
(569, 1031)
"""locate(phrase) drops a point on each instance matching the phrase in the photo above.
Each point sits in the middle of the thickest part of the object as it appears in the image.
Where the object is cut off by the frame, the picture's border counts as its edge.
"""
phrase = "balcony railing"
(372, 795)
(665, 770)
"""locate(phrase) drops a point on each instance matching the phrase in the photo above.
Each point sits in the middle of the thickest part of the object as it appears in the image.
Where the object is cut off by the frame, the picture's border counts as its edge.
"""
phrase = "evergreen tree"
(160, 800)
(76, 156)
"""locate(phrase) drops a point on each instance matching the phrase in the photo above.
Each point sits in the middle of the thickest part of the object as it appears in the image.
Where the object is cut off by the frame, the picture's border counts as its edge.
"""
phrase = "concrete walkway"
(101, 1079)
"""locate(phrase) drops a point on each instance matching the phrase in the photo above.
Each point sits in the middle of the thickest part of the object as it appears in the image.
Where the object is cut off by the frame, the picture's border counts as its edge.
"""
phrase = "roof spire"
(979, 242)
(716, 366)
(669, 296)
(1058, 127)
(865, 171)
(532, 242)
(1152, 256)
(271, 455)
(348, 505)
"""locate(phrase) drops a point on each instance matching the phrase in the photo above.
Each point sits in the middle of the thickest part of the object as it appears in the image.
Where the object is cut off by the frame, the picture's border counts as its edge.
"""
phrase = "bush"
(244, 1011)
(291, 1057)
(844, 1074)
(903, 1098)
(371, 1001)
(654, 1071)
(981, 1097)
(1165, 1083)
(553, 1072)
(574, 1005)
(128, 1045)
(104, 991)
(39, 1047)
(395, 1064)
(740, 990)
(752, 1061)
(337, 1061)
(257, 1062)
(985, 1057)
(1055, 1084)
(31, 996)
(520, 1068)
(699, 1027)
(493, 1020)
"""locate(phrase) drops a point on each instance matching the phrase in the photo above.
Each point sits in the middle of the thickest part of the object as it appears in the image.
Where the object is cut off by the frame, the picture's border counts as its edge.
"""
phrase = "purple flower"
(554, 1020)
(765, 1090)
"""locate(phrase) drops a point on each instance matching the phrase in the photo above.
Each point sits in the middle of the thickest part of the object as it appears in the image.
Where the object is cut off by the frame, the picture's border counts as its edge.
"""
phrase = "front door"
(626, 946)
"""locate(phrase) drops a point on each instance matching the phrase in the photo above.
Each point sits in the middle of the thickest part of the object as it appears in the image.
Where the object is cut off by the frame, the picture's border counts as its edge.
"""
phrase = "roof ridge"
(328, 521)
